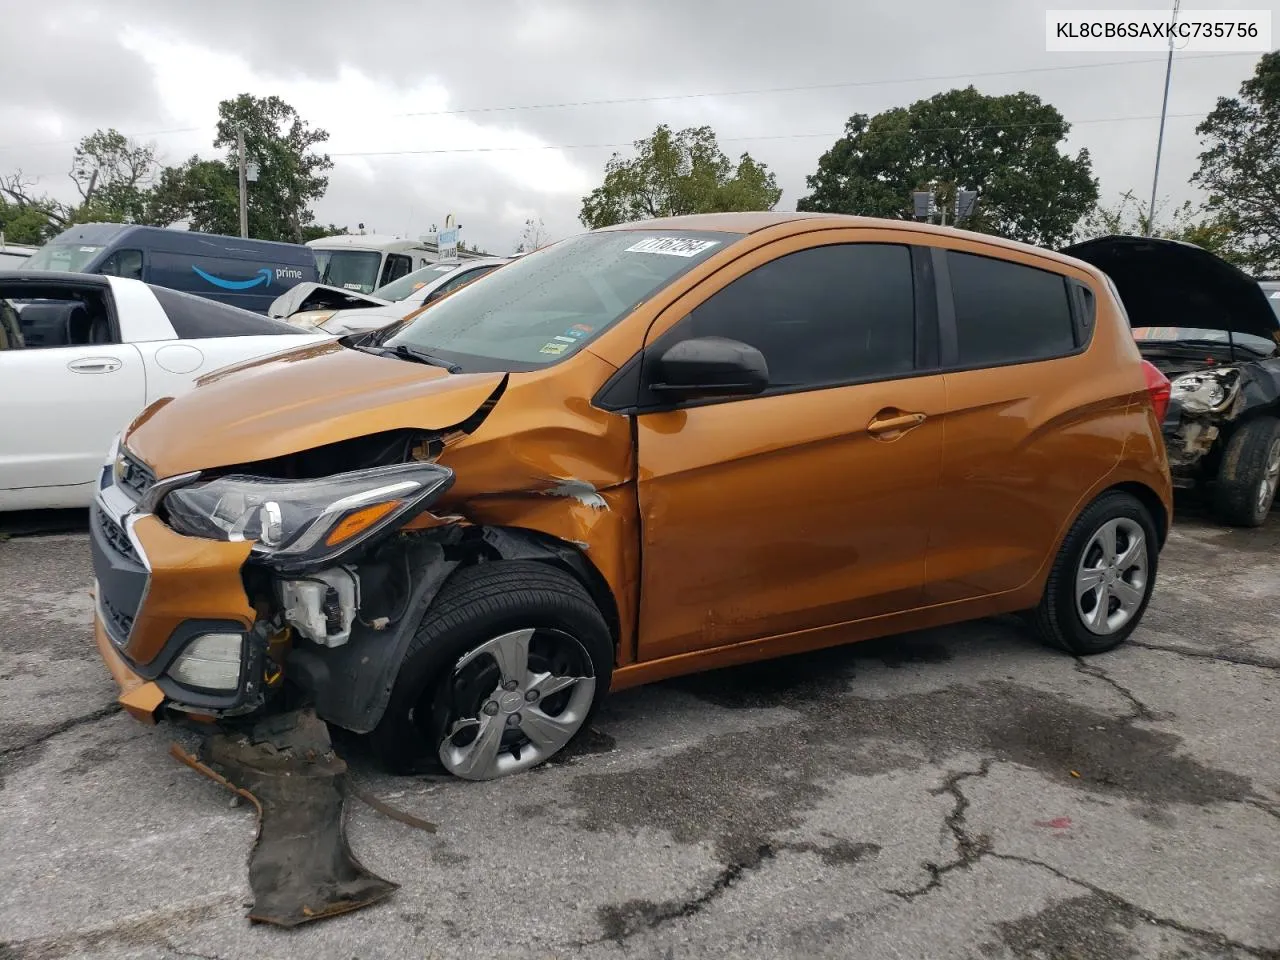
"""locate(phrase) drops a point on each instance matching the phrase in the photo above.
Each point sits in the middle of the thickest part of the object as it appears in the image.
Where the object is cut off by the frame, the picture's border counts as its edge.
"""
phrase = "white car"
(313, 306)
(13, 256)
(81, 355)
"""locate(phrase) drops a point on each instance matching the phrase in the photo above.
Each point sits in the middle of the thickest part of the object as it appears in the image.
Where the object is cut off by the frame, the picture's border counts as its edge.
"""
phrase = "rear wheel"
(507, 667)
(1102, 577)
(1249, 474)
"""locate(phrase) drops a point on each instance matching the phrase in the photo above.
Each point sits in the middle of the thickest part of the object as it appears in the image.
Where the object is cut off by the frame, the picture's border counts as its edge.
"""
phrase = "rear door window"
(196, 318)
(1007, 312)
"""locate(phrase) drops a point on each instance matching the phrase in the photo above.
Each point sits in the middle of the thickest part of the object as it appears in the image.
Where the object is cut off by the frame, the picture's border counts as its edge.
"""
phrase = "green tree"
(203, 192)
(674, 174)
(290, 175)
(316, 231)
(26, 217)
(1129, 217)
(1004, 147)
(1240, 167)
(113, 176)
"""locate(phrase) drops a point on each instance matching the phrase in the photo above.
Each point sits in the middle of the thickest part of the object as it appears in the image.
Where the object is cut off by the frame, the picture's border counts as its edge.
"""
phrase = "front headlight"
(1205, 391)
(298, 523)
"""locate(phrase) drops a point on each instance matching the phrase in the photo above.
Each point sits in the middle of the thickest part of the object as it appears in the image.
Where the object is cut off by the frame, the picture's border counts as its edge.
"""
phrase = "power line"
(758, 91)
(839, 84)
(909, 131)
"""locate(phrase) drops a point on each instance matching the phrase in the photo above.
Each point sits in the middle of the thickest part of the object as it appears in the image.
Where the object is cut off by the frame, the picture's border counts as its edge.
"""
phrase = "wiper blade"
(407, 352)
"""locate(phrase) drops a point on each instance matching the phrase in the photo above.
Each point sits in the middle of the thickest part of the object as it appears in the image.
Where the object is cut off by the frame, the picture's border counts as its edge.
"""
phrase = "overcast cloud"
(378, 75)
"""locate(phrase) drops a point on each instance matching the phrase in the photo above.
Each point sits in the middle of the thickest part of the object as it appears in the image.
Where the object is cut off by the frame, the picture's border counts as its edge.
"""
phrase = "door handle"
(894, 424)
(94, 365)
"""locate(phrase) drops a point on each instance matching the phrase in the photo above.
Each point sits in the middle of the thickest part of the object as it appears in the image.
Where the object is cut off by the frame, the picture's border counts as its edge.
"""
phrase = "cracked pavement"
(959, 793)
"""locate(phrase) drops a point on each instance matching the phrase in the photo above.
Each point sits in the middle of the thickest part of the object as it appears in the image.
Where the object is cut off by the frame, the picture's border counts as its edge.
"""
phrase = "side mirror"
(710, 367)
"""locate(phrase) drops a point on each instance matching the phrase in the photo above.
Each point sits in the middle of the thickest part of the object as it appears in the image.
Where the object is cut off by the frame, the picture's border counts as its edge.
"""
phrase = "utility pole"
(244, 200)
(1164, 108)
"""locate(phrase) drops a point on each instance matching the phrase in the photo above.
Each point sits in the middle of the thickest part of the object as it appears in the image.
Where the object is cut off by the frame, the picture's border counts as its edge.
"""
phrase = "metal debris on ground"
(301, 867)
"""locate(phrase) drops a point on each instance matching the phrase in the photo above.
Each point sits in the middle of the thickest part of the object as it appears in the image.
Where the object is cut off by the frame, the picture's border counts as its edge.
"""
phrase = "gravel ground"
(955, 793)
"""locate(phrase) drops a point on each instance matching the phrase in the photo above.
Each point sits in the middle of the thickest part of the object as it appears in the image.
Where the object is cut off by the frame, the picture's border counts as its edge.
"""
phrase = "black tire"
(476, 604)
(1238, 498)
(1057, 621)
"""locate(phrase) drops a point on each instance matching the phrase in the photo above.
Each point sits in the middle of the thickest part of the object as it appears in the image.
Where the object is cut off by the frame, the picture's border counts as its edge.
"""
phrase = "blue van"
(249, 274)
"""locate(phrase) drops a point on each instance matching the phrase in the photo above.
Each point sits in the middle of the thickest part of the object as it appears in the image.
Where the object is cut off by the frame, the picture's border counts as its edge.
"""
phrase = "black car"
(1214, 332)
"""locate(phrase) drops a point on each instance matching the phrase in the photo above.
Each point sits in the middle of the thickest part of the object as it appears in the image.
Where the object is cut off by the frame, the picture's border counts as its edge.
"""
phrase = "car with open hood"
(340, 312)
(648, 450)
(1215, 332)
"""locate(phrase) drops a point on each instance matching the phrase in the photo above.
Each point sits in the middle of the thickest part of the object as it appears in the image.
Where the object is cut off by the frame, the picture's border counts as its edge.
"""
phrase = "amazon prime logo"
(262, 278)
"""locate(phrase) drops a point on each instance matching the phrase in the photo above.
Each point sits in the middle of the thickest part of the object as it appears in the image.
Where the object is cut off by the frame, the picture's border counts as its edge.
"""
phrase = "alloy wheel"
(515, 701)
(1111, 580)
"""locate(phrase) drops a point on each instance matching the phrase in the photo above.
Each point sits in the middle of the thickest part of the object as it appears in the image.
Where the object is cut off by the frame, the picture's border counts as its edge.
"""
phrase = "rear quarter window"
(1007, 312)
(196, 318)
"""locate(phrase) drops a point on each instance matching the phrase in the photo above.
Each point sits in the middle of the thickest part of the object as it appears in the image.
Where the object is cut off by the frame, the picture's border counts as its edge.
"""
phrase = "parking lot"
(956, 793)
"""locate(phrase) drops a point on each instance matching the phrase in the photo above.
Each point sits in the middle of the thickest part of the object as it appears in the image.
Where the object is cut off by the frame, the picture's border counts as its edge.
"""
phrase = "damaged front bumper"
(208, 627)
(171, 620)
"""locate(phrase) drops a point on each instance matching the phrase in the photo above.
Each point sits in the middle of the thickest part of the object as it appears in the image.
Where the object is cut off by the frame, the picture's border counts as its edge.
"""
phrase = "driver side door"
(810, 505)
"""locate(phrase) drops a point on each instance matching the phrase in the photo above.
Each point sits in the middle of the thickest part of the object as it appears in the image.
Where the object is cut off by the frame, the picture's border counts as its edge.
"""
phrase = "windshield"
(544, 307)
(1249, 342)
(349, 269)
(397, 290)
(70, 257)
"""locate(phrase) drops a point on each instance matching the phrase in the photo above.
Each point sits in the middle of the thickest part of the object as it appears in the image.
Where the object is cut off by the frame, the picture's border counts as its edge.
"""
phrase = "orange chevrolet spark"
(645, 451)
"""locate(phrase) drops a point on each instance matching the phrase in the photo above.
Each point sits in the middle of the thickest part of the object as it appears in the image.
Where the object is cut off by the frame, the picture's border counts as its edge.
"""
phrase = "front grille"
(135, 476)
(118, 539)
(118, 624)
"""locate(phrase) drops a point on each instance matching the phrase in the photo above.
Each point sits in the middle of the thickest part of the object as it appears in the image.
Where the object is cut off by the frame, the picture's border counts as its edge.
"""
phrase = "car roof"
(57, 276)
(801, 221)
(366, 240)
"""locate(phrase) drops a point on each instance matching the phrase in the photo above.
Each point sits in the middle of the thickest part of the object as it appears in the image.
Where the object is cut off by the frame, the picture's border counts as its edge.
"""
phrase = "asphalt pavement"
(957, 793)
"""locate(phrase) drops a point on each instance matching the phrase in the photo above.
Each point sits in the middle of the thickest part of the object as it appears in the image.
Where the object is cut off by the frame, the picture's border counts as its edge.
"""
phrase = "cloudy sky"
(477, 108)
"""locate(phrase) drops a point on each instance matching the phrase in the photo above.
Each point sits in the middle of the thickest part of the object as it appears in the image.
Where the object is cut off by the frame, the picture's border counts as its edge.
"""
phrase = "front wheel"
(507, 667)
(1102, 577)
(1249, 474)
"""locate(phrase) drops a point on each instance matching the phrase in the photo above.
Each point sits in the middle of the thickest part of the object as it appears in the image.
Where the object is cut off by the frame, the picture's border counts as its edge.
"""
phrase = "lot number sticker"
(673, 246)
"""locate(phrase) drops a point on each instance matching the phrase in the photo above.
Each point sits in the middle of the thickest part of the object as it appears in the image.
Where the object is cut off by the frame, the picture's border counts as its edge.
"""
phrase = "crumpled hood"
(276, 406)
(319, 296)
(1168, 283)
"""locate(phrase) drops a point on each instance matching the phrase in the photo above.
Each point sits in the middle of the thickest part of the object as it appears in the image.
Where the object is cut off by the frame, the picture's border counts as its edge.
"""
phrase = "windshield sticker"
(88, 249)
(351, 286)
(1276, 295)
(445, 269)
(673, 246)
(578, 332)
(555, 348)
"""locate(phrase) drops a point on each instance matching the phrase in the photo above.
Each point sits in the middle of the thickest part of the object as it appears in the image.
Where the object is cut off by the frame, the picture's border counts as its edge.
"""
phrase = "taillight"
(1158, 387)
